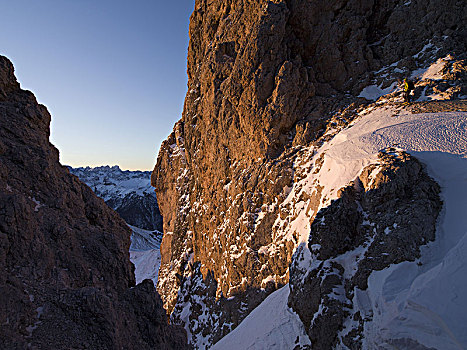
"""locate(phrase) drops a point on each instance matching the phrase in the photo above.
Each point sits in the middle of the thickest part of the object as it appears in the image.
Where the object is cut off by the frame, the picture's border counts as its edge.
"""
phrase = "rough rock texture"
(66, 281)
(384, 217)
(265, 77)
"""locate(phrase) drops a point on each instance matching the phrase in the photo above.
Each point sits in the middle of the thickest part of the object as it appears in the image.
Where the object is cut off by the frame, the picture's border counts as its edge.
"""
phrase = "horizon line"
(105, 165)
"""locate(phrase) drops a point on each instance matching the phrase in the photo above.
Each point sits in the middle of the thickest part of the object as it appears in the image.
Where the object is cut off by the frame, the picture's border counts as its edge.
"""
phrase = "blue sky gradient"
(111, 73)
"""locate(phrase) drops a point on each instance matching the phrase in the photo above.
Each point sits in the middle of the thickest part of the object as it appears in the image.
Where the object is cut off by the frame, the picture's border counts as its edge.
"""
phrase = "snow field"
(272, 325)
(145, 254)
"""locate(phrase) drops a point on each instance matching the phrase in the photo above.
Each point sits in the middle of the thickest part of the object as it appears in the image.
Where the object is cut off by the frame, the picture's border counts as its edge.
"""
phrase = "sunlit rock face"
(266, 81)
(66, 280)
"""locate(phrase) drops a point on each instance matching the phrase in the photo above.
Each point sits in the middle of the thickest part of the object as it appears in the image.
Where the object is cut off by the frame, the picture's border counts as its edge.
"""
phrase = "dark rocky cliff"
(265, 78)
(66, 281)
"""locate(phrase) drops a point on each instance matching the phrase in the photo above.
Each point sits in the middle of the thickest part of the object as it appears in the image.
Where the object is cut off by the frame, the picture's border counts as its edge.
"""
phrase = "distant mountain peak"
(128, 192)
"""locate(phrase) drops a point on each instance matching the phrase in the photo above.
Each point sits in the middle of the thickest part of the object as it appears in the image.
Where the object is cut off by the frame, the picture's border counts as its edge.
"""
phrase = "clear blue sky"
(111, 73)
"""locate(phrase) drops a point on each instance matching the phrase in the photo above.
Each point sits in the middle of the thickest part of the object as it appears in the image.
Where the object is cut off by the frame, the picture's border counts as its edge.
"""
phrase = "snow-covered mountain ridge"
(131, 195)
(110, 182)
(128, 192)
(407, 304)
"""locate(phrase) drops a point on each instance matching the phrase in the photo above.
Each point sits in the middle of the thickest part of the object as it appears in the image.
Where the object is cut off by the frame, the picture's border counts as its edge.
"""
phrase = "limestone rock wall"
(265, 78)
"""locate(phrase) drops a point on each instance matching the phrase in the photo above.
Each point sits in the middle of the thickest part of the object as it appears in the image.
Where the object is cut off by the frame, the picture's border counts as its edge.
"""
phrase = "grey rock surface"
(391, 211)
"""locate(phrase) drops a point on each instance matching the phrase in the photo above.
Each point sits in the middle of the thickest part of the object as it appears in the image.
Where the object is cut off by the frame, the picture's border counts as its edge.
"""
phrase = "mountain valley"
(301, 202)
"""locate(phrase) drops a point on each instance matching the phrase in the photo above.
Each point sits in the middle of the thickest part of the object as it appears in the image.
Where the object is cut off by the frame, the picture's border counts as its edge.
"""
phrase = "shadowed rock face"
(140, 211)
(385, 216)
(265, 76)
(65, 276)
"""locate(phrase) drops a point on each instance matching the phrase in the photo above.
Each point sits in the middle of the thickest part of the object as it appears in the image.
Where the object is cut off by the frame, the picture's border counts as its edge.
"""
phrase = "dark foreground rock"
(66, 281)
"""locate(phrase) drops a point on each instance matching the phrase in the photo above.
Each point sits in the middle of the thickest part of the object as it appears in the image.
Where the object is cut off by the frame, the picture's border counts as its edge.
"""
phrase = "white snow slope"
(426, 303)
(145, 253)
(424, 300)
(272, 325)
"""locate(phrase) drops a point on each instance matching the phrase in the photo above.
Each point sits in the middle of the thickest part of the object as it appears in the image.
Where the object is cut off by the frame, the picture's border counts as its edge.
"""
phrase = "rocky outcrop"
(267, 78)
(382, 218)
(66, 281)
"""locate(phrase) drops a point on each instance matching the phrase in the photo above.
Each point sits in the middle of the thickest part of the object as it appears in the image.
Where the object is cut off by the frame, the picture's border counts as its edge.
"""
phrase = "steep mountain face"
(129, 193)
(65, 276)
(269, 81)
